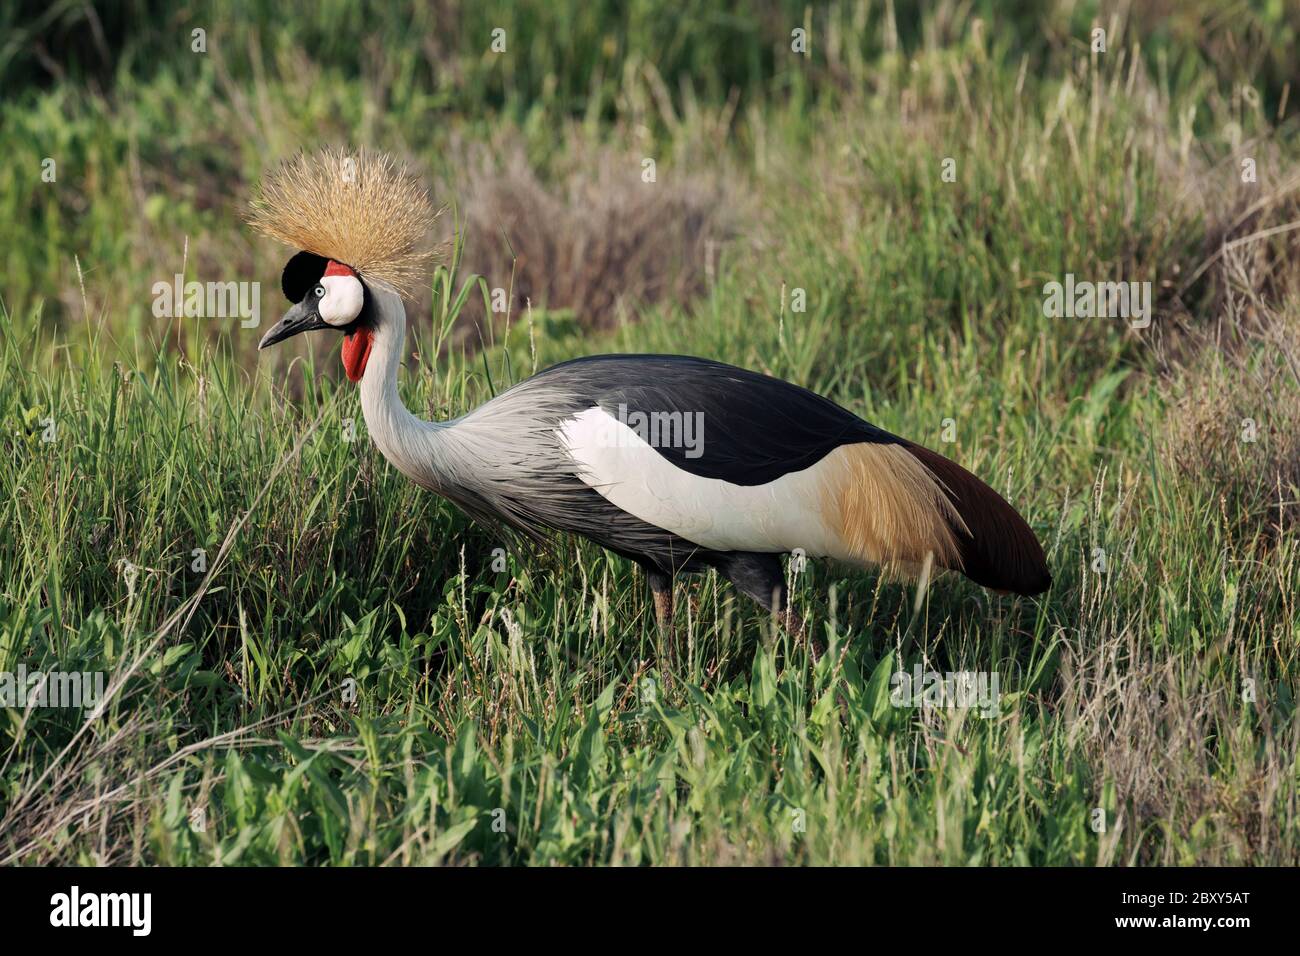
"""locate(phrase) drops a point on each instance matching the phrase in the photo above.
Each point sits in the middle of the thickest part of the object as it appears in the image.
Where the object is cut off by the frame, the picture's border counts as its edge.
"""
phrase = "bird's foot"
(794, 624)
(667, 655)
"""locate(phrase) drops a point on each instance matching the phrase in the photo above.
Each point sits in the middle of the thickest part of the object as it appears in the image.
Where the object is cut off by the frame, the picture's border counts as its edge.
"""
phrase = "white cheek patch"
(343, 299)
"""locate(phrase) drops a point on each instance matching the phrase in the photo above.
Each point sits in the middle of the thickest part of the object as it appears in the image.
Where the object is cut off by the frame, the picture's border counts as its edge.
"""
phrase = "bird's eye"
(319, 292)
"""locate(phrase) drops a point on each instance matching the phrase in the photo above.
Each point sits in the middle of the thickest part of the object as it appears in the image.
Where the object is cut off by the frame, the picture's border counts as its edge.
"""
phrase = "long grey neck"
(500, 460)
(410, 443)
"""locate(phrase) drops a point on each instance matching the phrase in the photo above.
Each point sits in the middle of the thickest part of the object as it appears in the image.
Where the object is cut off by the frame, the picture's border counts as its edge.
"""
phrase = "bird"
(678, 463)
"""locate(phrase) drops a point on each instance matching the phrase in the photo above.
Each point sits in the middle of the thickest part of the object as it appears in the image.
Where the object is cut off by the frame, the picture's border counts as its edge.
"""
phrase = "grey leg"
(661, 589)
(760, 577)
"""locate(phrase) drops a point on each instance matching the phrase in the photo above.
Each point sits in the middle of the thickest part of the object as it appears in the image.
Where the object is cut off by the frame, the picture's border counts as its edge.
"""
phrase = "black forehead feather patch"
(301, 274)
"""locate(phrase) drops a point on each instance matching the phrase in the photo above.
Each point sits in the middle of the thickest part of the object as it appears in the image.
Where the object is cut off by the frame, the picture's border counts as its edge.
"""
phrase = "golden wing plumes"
(355, 207)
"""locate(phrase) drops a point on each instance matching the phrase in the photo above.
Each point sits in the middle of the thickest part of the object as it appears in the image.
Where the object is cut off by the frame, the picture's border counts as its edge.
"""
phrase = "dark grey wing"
(752, 428)
(755, 429)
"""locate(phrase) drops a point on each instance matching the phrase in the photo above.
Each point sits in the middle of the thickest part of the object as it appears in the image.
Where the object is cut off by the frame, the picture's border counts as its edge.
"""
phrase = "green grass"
(521, 715)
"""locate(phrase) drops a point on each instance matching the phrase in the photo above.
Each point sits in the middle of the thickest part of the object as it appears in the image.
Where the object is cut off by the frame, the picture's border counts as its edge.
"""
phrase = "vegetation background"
(201, 530)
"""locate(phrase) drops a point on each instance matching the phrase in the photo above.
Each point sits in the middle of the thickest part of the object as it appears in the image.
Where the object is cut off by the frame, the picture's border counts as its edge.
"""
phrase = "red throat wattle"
(356, 352)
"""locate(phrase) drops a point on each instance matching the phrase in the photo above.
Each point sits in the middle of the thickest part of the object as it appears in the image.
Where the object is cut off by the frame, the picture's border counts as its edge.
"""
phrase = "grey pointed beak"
(301, 318)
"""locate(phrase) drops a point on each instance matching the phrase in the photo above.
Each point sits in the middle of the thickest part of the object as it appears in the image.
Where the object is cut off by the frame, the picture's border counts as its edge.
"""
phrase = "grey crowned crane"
(772, 467)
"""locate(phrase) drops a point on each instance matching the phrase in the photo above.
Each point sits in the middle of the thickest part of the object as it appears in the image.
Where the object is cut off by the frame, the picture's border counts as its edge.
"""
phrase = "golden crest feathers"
(355, 207)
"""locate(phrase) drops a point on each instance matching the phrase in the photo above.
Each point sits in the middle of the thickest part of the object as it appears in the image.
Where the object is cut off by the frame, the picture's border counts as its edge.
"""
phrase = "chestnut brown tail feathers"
(998, 549)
